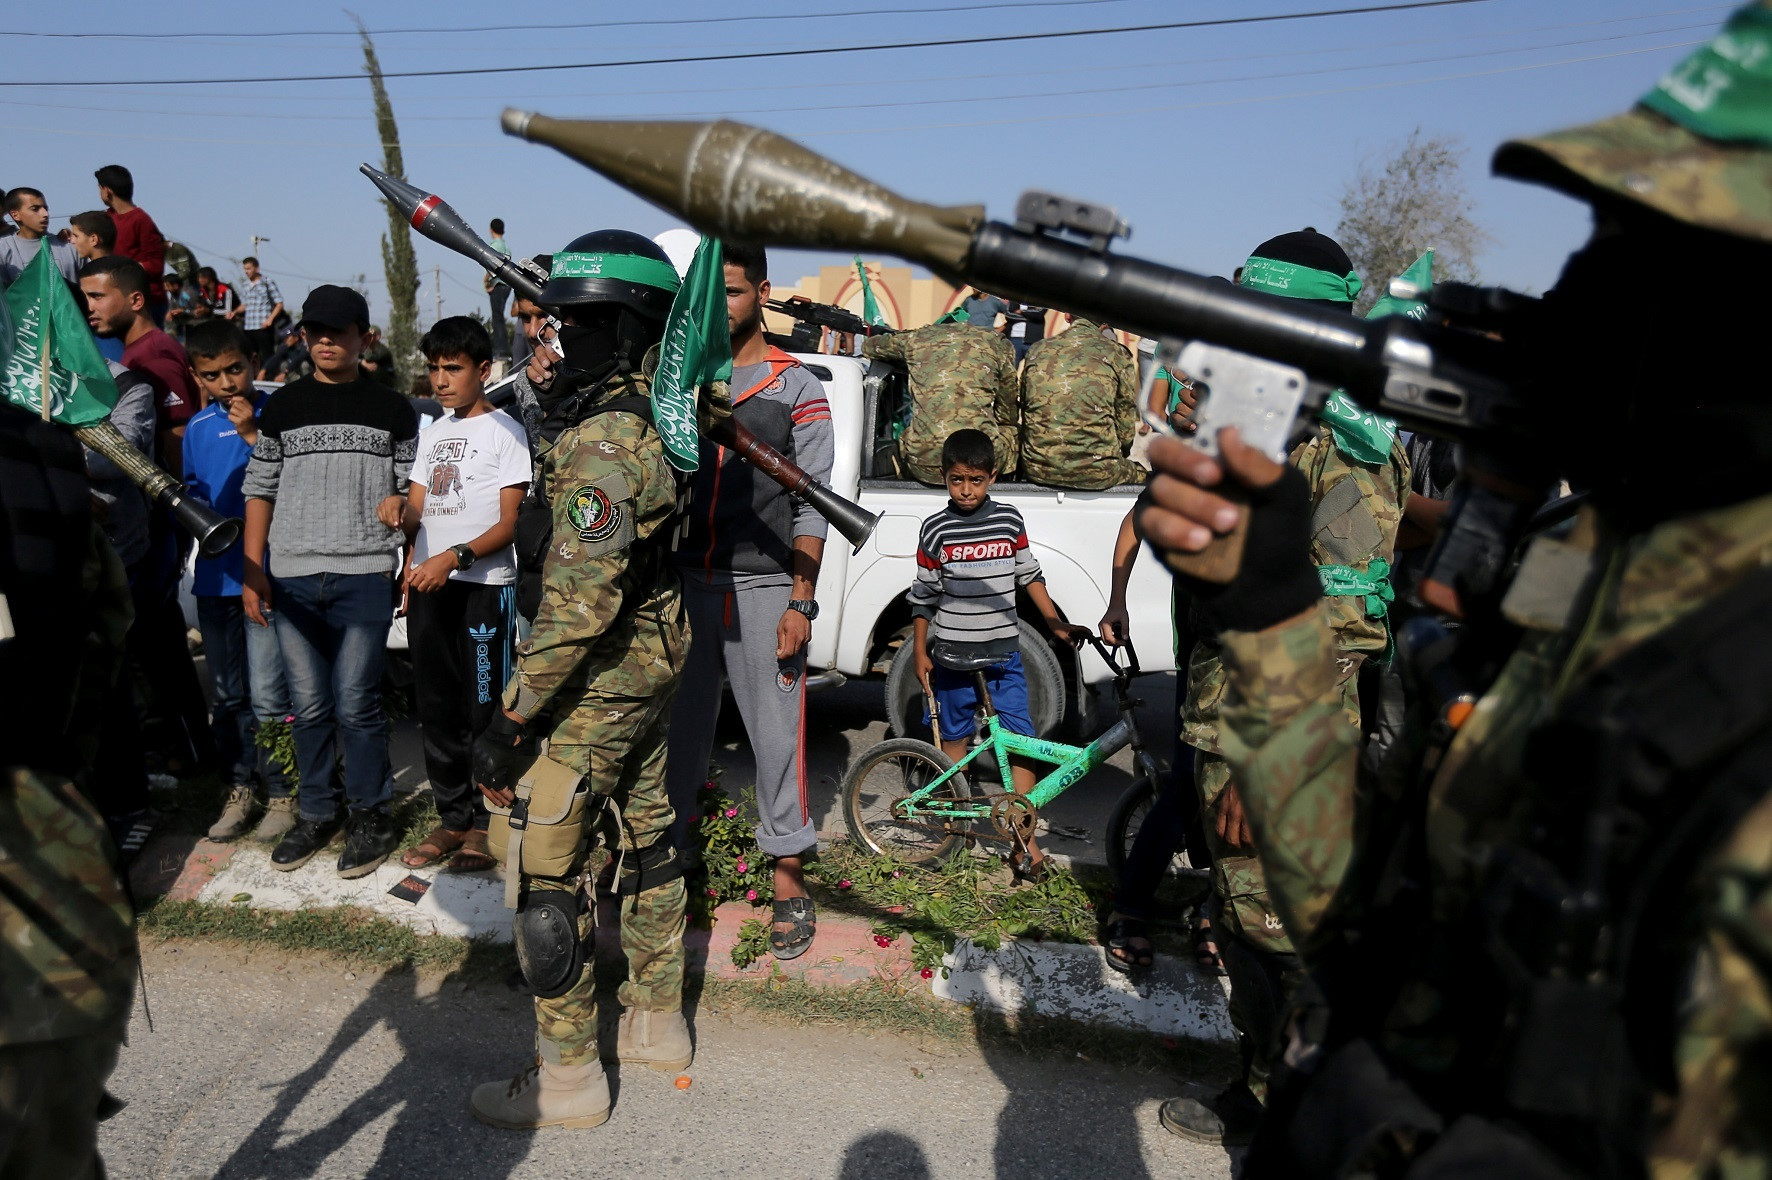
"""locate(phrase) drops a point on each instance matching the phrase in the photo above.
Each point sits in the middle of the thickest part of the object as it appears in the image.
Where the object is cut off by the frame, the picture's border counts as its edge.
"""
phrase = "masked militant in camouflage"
(596, 677)
(1079, 411)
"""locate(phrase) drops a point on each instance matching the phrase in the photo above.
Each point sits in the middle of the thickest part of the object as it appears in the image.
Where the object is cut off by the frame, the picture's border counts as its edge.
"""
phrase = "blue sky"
(1207, 140)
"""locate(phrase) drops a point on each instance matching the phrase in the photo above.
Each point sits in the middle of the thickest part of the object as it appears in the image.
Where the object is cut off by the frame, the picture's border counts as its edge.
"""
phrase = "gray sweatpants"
(732, 637)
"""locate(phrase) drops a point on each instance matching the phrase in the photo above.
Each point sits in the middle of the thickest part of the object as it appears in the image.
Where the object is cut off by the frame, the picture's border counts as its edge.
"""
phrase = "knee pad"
(648, 868)
(549, 950)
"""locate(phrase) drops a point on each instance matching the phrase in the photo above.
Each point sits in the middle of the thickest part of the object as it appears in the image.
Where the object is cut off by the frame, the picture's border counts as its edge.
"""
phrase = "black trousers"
(461, 640)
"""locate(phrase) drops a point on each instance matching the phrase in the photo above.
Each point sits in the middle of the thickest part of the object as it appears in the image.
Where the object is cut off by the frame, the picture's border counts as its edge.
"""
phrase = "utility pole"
(437, 284)
(256, 239)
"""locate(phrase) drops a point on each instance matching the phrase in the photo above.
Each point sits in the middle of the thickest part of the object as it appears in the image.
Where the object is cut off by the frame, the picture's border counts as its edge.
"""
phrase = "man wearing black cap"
(324, 494)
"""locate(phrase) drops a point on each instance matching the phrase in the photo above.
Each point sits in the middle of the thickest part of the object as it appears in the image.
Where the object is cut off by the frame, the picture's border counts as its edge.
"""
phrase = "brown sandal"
(473, 856)
(433, 848)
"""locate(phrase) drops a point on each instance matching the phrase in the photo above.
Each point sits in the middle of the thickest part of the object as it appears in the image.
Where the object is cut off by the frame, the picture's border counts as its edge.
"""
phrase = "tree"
(398, 261)
(1398, 206)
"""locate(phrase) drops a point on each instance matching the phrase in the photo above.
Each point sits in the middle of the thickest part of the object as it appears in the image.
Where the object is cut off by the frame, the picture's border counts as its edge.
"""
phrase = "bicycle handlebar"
(1112, 660)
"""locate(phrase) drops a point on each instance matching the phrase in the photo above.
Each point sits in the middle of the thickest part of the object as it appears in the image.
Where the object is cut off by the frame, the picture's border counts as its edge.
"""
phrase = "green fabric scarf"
(1297, 282)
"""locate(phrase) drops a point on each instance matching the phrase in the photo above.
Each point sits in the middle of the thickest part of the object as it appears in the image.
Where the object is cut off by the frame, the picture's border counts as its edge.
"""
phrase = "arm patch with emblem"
(601, 515)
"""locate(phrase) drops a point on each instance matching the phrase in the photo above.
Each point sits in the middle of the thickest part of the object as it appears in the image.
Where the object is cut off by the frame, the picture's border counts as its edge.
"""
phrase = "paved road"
(267, 1066)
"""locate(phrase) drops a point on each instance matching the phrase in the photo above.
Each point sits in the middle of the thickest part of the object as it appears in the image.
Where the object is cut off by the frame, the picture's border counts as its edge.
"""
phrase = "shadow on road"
(425, 1088)
(884, 1155)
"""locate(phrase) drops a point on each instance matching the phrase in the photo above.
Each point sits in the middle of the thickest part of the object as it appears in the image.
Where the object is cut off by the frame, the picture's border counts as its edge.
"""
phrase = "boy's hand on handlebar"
(1074, 634)
(1114, 626)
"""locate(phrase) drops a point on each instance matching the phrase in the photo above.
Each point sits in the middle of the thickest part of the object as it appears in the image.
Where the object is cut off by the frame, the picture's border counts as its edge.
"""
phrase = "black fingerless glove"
(501, 753)
(1276, 579)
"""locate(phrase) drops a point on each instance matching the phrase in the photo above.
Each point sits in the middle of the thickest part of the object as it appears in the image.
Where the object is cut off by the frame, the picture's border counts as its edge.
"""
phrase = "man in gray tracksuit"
(749, 561)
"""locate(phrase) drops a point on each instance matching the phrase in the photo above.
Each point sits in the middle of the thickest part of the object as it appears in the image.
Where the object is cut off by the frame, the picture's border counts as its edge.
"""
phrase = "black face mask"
(1650, 375)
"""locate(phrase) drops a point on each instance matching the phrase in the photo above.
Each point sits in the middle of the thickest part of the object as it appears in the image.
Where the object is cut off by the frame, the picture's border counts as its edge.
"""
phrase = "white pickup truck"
(864, 621)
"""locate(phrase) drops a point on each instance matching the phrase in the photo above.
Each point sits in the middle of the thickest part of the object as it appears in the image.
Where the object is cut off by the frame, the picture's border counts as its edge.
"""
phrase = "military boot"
(278, 819)
(236, 816)
(1228, 1118)
(658, 1039)
(545, 1095)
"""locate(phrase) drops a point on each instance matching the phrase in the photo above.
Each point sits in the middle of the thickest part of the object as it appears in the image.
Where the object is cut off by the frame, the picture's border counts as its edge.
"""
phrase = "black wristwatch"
(806, 606)
(464, 556)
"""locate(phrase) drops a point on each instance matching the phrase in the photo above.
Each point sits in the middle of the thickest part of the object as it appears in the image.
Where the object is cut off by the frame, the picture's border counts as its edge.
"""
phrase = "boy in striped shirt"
(972, 556)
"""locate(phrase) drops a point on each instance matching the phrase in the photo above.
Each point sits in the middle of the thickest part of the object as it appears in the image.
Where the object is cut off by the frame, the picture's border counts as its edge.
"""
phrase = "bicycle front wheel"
(876, 806)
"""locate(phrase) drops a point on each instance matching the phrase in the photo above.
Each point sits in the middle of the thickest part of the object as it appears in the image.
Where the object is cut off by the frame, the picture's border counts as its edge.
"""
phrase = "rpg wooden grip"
(1223, 555)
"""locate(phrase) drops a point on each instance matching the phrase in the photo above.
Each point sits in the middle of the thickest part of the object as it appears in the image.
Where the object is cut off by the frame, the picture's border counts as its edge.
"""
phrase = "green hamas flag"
(1359, 433)
(870, 307)
(39, 306)
(697, 349)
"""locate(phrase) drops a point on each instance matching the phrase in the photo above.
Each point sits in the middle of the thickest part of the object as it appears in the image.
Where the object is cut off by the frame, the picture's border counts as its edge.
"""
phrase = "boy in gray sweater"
(324, 493)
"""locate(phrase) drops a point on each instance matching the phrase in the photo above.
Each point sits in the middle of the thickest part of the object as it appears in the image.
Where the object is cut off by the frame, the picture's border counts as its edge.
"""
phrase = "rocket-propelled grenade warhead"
(739, 182)
(433, 217)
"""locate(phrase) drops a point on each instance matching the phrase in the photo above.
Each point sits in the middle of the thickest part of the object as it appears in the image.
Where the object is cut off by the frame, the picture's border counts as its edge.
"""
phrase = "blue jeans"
(333, 629)
(246, 666)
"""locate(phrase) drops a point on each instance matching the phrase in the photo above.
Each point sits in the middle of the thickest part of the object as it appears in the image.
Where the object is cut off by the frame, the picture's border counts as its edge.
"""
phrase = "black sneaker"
(369, 838)
(300, 843)
(1228, 1118)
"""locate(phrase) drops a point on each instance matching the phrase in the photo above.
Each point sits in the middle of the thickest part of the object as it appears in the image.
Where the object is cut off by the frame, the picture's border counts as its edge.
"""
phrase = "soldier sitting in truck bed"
(1079, 410)
(961, 377)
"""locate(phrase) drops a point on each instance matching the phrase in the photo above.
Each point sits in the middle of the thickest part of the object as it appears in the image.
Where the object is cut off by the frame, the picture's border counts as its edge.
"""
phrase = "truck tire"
(1046, 693)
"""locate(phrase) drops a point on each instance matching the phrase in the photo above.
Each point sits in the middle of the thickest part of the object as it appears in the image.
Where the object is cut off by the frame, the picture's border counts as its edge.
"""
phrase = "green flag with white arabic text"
(870, 307)
(697, 349)
(37, 304)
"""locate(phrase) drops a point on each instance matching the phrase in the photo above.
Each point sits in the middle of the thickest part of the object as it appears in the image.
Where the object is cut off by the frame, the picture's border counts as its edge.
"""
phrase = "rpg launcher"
(1261, 360)
(433, 217)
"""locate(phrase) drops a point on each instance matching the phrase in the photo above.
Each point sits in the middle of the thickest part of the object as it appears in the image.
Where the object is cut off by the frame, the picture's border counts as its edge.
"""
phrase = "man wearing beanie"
(1358, 474)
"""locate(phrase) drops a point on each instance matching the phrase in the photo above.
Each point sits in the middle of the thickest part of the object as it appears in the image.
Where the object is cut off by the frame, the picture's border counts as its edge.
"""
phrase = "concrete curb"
(1052, 979)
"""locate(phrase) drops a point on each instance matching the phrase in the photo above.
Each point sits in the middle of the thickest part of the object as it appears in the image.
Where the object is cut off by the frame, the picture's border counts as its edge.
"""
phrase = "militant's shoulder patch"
(601, 515)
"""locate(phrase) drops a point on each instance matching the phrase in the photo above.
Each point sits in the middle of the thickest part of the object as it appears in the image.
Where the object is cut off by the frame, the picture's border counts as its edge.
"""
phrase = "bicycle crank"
(1014, 818)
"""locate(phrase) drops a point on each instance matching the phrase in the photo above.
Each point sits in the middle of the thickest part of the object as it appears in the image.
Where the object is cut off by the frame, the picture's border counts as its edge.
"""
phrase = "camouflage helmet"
(1697, 148)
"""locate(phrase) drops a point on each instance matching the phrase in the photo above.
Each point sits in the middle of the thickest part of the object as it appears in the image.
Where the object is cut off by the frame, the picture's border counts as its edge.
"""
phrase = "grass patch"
(353, 935)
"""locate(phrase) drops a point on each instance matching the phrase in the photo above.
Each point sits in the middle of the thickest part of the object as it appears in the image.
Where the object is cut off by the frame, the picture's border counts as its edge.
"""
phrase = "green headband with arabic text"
(628, 268)
(1298, 282)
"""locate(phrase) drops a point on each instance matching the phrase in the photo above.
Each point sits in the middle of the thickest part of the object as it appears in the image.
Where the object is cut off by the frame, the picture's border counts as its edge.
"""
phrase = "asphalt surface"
(266, 1065)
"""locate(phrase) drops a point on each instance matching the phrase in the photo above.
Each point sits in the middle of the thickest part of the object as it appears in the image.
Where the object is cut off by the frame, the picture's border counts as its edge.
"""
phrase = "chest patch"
(592, 515)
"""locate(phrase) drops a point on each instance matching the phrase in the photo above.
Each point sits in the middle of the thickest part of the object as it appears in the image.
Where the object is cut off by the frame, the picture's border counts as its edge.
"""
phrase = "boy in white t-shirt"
(468, 478)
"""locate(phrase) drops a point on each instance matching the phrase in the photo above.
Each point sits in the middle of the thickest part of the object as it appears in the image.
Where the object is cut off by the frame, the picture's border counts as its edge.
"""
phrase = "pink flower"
(708, 786)
(928, 974)
(695, 819)
(896, 874)
(743, 867)
(732, 813)
(713, 893)
(289, 720)
(750, 895)
(845, 883)
(880, 940)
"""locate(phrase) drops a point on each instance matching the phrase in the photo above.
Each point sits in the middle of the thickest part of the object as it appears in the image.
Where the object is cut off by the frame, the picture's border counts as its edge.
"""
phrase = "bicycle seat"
(957, 657)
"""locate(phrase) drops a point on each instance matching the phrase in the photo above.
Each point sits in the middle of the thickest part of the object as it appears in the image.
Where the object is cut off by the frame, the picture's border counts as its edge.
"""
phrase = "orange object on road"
(684, 1081)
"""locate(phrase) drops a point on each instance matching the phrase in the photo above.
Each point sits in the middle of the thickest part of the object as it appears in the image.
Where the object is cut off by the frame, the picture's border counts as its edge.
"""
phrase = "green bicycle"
(907, 799)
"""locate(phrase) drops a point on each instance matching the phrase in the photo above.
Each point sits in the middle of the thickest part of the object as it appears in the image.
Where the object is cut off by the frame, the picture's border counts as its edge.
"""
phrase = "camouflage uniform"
(962, 377)
(67, 934)
(1079, 411)
(1358, 508)
(1484, 806)
(597, 675)
(1296, 762)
